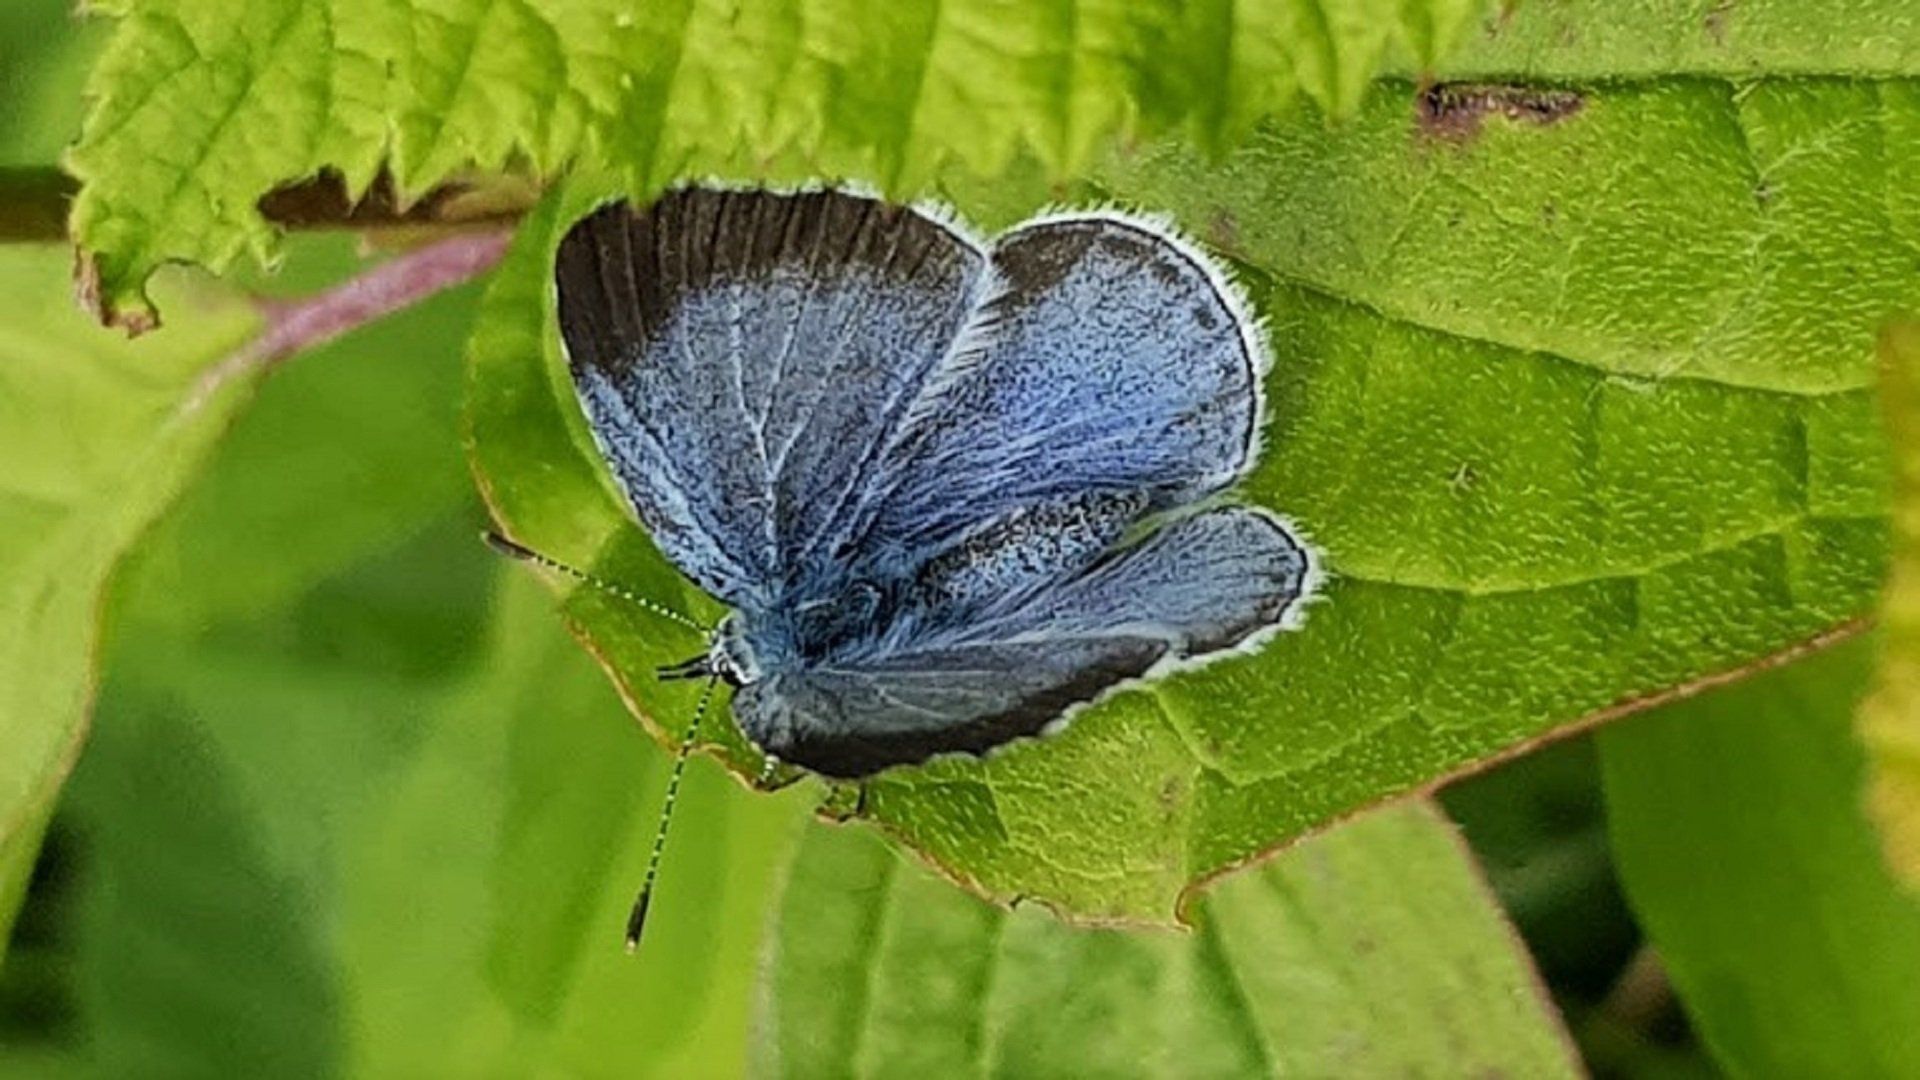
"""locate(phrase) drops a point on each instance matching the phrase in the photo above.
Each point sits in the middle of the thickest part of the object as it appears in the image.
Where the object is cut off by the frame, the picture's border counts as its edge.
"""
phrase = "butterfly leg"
(697, 667)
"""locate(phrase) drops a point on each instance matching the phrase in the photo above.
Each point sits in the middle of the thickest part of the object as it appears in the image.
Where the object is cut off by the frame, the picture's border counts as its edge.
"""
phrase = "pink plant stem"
(298, 325)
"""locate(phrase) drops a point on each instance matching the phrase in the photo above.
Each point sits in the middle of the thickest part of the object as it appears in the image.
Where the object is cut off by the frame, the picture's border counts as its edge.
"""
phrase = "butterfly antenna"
(515, 550)
(637, 918)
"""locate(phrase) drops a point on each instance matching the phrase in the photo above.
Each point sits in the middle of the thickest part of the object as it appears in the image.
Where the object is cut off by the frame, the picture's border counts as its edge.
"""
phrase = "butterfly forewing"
(741, 356)
(1112, 361)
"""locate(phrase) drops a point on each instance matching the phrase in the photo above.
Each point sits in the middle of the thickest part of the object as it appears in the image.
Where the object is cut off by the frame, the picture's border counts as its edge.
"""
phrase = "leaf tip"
(103, 299)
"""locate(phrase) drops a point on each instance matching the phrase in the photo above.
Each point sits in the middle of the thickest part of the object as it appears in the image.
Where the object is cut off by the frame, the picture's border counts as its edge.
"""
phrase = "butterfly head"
(733, 656)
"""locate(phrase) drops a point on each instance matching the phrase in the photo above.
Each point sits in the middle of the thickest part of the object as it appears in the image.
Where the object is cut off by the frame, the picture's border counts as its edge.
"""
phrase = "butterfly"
(950, 489)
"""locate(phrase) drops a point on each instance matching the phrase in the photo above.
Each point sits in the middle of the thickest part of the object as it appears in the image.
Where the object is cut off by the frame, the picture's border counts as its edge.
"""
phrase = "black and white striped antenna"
(513, 549)
(637, 918)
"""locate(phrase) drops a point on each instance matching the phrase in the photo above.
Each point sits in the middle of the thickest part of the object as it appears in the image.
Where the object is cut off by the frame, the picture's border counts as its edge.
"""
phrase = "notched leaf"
(1456, 111)
(326, 200)
(247, 97)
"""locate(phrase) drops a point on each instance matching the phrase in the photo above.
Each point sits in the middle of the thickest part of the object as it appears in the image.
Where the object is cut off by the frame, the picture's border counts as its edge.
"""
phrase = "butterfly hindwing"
(1202, 582)
(952, 682)
(853, 720)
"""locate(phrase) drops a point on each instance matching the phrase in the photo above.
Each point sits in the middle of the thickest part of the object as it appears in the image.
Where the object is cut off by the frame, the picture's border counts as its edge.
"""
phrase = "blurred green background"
(353, 795)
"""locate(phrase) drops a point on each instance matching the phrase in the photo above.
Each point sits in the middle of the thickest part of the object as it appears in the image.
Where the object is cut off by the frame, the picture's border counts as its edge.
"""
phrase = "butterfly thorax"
(806, 630)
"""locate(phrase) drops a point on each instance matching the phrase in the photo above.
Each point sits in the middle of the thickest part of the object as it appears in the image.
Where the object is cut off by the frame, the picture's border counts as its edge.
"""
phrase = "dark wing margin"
(711, 337)
(1198, 585)
(849, 722)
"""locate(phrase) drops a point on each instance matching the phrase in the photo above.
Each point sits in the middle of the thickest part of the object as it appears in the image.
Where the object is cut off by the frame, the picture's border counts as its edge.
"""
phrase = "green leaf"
(298, 859)
(44, 56)
(203, 106)
(1889, 720)
(516, 954)
(354, 798)
(188, 922)
(1673, 289)
(97, 436)
(1738, 830)
(283, 505)
(1628, 39)
(1371, 950)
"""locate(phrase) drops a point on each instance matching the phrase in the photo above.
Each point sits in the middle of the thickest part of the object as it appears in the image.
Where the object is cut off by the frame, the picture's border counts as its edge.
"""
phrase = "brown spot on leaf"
(1715, 21)
(1455, 111)
(87, 293)
(1501, 18)
(1223, 230)
(86, 284)
(1173, 791)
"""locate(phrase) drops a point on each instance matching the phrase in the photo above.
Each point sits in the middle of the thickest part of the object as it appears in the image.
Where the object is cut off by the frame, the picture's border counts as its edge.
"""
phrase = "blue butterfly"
(950, 489)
